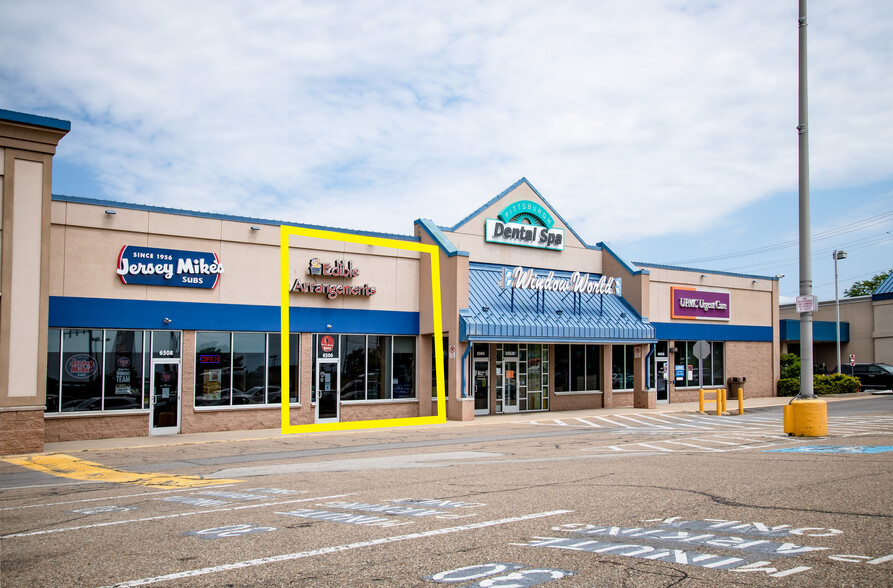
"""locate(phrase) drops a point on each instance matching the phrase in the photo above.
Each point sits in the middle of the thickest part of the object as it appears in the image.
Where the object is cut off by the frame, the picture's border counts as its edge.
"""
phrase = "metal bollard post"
(722, 393)
(700, 401)
(718, 394)
(740, 401)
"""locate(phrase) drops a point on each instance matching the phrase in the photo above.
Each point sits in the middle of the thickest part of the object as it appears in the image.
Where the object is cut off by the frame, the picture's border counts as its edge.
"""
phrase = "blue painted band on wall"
(106, 313)
(710, 332)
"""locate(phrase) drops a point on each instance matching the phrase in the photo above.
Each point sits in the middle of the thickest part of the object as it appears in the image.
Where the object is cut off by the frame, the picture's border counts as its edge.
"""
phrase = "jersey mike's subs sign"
(151, 266)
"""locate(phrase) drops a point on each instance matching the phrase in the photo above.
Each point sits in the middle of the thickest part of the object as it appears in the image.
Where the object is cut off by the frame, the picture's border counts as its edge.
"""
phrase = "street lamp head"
(839, 254)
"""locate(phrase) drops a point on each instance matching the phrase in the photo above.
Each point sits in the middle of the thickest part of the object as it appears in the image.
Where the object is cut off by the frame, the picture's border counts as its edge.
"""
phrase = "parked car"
(873, 376)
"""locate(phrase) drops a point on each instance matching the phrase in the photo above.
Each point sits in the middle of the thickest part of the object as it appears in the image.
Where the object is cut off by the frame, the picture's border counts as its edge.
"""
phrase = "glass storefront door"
(662, 373)
(165, 398)
(510, 386)
(481, 387)
(327, 391)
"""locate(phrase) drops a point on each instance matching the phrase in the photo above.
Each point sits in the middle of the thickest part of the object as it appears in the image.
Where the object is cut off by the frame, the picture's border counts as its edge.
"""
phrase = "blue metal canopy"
(495, 313)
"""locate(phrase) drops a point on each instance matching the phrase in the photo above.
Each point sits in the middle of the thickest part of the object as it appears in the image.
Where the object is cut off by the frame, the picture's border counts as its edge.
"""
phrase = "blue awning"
(545, 316)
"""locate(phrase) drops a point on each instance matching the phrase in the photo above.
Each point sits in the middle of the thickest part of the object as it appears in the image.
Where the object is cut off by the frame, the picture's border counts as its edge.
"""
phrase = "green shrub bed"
(822, 384)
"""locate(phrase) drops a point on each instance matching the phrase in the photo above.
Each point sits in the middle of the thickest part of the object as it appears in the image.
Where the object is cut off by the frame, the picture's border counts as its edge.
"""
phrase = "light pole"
(837, 255)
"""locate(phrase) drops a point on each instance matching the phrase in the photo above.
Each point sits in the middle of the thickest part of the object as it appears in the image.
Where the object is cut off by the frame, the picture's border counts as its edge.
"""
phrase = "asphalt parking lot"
(556, 499)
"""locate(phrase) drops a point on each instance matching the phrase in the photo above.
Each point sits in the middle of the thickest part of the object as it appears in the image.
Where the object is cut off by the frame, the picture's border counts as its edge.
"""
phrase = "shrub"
(833, 384)
(836, 384)
(790, 366)
(789, 386)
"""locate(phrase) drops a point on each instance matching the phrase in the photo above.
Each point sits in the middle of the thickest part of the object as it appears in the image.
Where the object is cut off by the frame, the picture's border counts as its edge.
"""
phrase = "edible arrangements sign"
(527, 224)
(151, 266)
(338, 269)
(689, 303)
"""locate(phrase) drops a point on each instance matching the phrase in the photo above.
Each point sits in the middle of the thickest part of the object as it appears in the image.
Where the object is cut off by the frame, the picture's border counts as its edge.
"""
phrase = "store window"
(235, 369)
(689, 367)
(404, 367)
(578, 368)
(92, 370)
(622, 367)
(532, 379)
(373, 367)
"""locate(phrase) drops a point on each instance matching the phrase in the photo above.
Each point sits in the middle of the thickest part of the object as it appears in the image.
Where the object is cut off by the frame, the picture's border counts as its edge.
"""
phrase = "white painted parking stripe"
(180, 490)
(650, 446)
(607, 420)
(685, 422)
(643, 423)
(333, 549)
(652, 418)
(692, 445)
(171, 516)
(590, 423)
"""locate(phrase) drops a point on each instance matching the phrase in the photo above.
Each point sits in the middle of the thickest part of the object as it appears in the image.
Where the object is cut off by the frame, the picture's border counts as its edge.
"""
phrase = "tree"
(867, 287)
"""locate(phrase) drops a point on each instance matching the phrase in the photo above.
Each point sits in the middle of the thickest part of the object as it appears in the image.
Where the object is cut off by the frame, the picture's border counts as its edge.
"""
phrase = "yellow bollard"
(806, 417)
(722, 393)
(740, 401)
(700, 401)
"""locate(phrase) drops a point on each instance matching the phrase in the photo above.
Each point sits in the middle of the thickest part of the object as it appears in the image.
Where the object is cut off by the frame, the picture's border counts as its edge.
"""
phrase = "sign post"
(702, 352)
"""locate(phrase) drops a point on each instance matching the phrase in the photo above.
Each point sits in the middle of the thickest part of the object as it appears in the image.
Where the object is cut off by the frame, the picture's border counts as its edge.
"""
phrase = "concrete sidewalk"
(499, 419)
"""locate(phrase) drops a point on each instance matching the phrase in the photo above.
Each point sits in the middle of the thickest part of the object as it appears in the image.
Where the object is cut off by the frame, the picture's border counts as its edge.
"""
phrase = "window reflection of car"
(95, 403)
(254, 395)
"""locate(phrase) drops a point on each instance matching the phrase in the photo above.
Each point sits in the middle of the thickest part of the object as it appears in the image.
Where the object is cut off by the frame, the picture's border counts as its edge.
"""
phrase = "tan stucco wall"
(86, 242)
(871, 330)
(750, 299)
(26, 164)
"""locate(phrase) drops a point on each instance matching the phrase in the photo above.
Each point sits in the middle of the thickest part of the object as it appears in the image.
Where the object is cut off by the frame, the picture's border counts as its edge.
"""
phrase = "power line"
(865, 223)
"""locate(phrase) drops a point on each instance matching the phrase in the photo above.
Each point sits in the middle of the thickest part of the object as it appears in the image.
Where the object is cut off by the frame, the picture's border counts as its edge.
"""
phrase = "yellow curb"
(66, 466)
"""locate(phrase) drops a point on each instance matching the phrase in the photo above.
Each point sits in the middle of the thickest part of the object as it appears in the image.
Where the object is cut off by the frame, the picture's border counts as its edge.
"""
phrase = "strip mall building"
(144, 320)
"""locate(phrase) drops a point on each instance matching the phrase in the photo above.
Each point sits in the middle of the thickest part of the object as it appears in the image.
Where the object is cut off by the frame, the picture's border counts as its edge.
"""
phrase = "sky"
(665, 128)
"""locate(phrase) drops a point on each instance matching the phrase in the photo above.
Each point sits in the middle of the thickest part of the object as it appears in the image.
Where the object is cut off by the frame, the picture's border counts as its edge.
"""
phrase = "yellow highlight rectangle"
(285, 233)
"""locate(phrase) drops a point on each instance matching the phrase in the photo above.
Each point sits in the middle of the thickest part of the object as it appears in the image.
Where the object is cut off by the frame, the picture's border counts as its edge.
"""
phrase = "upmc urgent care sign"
(692, 304)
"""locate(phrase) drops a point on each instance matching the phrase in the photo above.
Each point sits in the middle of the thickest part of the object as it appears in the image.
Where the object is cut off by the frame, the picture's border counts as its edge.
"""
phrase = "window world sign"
(150, 266)
(580, 283)
(689, 303)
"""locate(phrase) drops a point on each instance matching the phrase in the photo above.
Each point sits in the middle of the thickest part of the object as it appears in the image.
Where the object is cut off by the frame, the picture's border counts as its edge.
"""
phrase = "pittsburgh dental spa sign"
(338, 269)
(150, 266)
(689, 303)
(522, 279)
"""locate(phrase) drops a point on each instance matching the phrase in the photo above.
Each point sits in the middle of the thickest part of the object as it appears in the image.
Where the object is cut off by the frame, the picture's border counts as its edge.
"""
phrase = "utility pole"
(806, 415)
(806, 358)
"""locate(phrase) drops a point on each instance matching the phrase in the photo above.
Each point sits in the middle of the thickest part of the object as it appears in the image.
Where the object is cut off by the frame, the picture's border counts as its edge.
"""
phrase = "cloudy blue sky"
(663, 127)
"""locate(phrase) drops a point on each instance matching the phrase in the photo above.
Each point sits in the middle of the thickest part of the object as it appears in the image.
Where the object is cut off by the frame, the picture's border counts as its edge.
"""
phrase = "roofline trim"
(225, 217)
(442, 241)
(35, 120)
(706, 271)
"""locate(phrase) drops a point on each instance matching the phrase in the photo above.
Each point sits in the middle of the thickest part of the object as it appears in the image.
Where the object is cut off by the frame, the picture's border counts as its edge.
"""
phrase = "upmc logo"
(327, 344)
(81, 366)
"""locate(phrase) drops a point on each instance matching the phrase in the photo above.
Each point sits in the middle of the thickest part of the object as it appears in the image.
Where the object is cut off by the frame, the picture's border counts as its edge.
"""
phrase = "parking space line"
(170, 516)
(333, 549)
(117, 497)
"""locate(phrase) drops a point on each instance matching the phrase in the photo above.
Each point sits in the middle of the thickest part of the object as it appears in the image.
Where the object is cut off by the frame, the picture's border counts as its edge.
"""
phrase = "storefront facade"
(163, 321)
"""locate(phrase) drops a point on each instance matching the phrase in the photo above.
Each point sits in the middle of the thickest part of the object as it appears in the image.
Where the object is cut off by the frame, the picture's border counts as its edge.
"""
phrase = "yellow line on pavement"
(66, 466)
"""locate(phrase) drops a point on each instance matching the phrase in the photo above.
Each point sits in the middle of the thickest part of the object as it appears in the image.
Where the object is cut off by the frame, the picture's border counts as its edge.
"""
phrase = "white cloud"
(665, 116)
